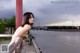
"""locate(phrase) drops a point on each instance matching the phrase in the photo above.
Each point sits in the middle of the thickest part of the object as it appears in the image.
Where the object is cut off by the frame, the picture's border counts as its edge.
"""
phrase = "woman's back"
(21, 30)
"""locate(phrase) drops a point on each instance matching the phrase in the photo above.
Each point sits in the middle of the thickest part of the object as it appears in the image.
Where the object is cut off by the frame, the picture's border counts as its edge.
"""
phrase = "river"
(57, 41)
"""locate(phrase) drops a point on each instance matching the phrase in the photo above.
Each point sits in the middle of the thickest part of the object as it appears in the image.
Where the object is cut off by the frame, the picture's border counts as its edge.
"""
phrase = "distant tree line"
(57, 28)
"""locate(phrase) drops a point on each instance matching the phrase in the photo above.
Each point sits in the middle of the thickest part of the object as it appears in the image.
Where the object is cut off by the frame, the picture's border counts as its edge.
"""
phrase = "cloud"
(60, 12)
(45, 11)
(7, 8)
(8, 4)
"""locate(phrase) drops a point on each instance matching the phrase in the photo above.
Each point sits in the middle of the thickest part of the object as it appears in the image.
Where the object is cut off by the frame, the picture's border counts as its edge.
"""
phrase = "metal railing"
(5, 35)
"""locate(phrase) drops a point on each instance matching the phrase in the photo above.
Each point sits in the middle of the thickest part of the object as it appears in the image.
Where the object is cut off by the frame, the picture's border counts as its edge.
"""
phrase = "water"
(58, 42)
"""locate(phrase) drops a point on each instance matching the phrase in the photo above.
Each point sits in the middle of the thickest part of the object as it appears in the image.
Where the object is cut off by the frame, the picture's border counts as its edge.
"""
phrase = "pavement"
(27, 48)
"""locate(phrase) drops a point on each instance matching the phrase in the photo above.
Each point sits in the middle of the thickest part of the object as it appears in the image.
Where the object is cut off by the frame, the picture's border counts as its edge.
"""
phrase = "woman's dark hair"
(26, 18)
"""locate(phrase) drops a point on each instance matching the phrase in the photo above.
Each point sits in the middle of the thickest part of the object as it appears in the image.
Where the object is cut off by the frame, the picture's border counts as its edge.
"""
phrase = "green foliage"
(6, 22)
(2, 26)
(10, 22)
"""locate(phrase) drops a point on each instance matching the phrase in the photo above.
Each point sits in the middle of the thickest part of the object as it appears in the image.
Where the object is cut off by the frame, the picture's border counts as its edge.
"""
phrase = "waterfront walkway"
(54, 42)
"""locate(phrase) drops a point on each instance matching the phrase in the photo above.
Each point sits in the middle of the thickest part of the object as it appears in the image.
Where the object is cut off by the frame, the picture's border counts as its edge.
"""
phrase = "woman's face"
(31, 20)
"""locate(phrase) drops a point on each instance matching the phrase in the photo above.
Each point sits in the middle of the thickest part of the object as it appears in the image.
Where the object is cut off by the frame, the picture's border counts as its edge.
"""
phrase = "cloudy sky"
(45, 11)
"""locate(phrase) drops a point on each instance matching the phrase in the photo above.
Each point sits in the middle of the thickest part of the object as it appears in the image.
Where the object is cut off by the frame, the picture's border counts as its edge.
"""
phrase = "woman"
(24, 28)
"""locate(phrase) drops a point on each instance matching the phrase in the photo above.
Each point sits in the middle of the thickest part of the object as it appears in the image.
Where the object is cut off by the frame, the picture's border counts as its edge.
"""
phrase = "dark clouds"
(7, 8)
(7, 13)
(44, 11)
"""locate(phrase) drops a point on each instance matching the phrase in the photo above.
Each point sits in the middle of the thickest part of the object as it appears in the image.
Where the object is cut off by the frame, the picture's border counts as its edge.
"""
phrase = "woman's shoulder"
(27, 26)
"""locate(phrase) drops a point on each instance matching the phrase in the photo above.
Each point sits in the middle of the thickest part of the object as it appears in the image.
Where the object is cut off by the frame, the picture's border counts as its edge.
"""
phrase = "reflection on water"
(58, 42)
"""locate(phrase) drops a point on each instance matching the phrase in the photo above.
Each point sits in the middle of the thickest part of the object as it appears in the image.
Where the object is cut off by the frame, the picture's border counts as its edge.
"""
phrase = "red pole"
(18, 14)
